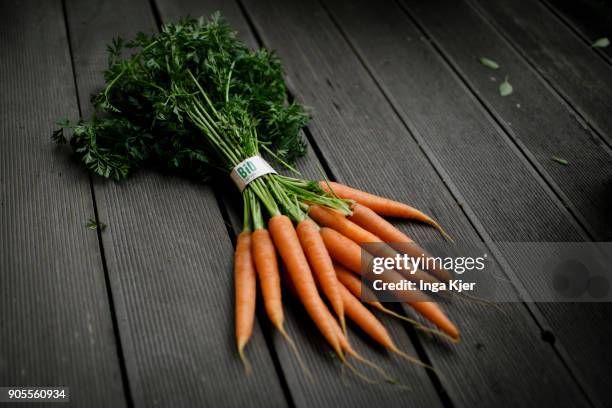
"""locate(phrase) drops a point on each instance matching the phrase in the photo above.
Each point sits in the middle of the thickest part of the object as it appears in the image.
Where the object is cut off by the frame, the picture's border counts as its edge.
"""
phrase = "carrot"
(372, 326)
(350, 351)
(333, 219)
(266, 265)
(245, 286)
(381, 205)
(353, 284)
(377, 225)
(342, 340)
(286, 241)
(348, 254)
(321, 265)
(383, 229)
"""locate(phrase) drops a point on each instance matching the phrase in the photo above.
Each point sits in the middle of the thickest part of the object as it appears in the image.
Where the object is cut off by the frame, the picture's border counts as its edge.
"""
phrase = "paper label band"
(250, 169)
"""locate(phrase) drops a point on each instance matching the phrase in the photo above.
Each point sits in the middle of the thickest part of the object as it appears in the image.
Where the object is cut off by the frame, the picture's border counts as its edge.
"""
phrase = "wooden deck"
(141, 314)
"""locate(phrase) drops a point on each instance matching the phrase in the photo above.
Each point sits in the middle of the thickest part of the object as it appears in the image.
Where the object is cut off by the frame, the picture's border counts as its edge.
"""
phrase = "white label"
(250, 169)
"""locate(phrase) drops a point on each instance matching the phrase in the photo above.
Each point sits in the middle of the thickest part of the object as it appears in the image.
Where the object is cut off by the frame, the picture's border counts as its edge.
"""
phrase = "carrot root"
(373, 366)
(247, 365)
(359, 374)
(412, 359)
(416, 324)
(441, 230)
(296, 352)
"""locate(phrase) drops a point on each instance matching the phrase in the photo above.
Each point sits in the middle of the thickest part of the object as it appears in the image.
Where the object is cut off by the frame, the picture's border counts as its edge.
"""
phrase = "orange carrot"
(381, 205)
(354, 285)
(245, 286)
(348, 254)
(343, 250)
(321, 265)
(287, 242)
(266, 265)
(333, 219)
(383, 229)
(372, 326)
(342, 340)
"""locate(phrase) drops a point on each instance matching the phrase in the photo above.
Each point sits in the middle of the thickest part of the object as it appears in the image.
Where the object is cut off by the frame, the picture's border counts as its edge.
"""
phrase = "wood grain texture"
(569, 64)
(584, 185)
(54, 313)
(366, 144)
(331, 387)
(591, 19)
(170, 261)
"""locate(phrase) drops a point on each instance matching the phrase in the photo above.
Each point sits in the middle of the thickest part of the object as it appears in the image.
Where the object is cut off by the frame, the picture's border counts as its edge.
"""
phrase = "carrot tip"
(296, 352)
(343, 325)
(360, 375)
(413, 360)
(372, 365)
(245, 361)
(441, 230)
(416, 324)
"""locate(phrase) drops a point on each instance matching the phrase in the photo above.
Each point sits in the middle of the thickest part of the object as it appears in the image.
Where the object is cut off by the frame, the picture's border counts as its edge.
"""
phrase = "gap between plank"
(109, 292)
(546, 332)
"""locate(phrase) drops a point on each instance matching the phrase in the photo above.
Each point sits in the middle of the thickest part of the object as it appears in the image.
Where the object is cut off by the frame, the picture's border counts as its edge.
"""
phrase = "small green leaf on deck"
(505, 88)
(489, 63)
(601, 43)
(560, 160)
(93, 225)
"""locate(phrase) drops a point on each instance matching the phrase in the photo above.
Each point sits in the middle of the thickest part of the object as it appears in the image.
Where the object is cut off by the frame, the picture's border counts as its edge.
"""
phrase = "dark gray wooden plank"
(365, 144)
(169, 259)
(582, 184)
(591, 19)
(55, 317)
(558, 54)
(330, 387)
(470, 148)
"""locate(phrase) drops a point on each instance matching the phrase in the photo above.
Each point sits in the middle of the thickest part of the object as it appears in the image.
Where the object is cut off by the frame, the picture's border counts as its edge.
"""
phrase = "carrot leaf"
(92, 224)
(164, 91)
(560, 160)
(601, 43)
(505, 88)
(489, 63)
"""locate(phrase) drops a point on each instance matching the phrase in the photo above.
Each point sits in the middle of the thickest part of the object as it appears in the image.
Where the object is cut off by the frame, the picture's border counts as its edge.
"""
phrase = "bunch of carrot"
(194, 98)
(319, 245)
